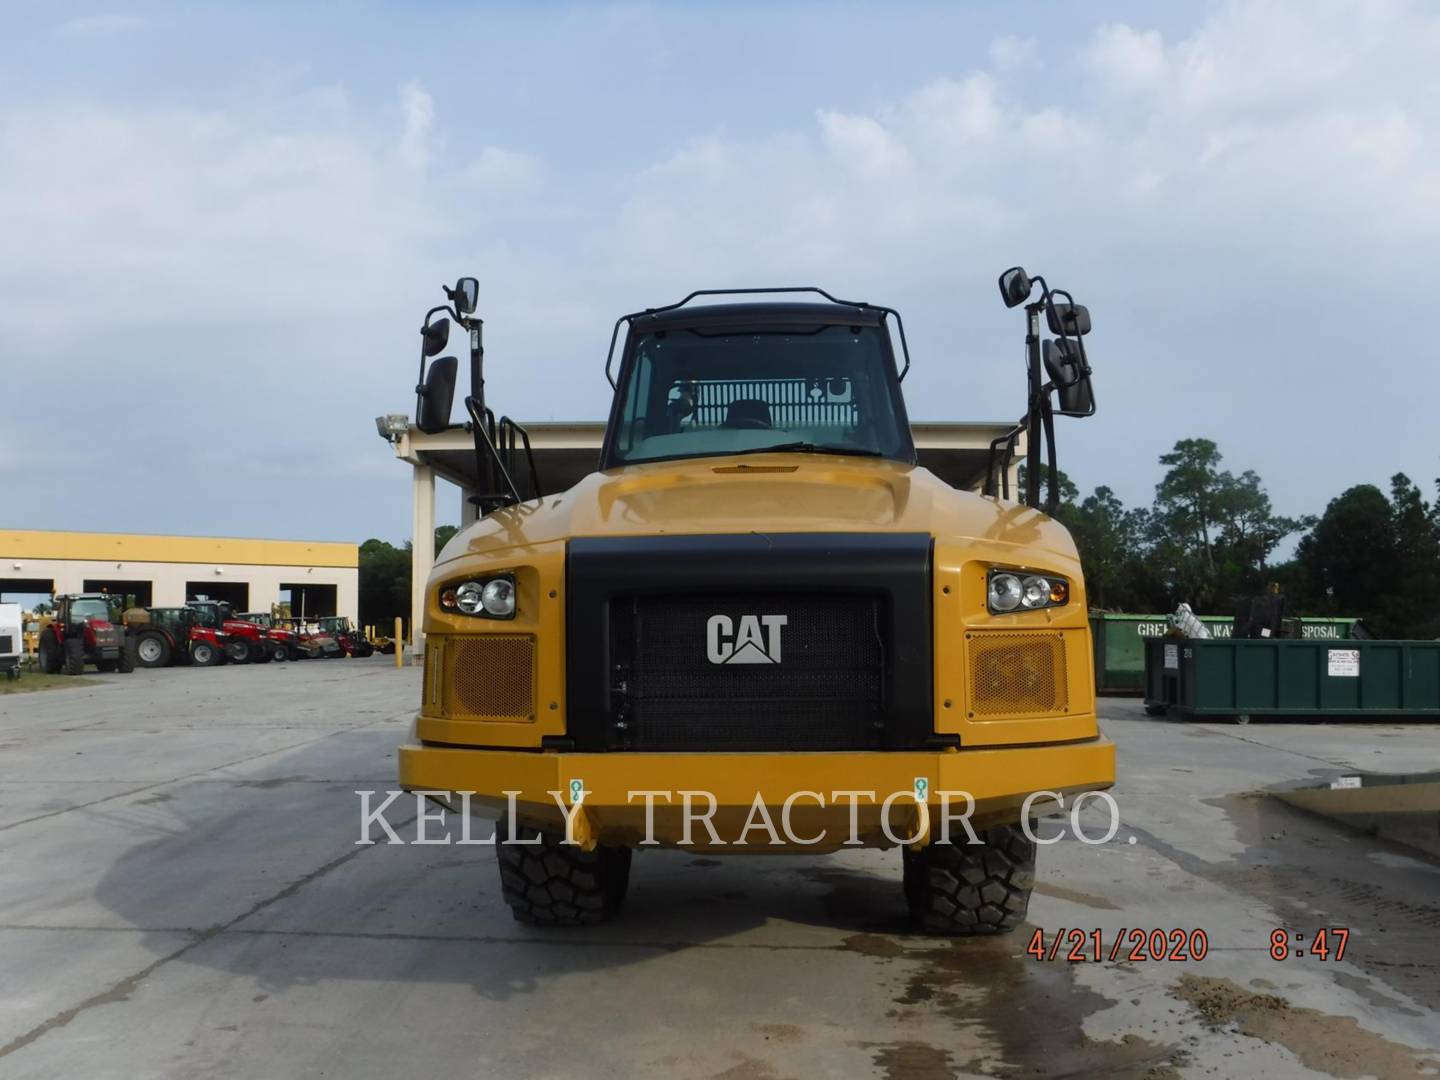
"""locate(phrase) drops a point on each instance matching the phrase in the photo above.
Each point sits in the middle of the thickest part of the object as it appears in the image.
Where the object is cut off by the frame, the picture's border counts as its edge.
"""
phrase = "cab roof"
(754, 313)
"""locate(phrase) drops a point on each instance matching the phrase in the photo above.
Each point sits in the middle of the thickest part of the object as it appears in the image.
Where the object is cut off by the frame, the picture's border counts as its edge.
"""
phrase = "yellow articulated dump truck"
(760, 625)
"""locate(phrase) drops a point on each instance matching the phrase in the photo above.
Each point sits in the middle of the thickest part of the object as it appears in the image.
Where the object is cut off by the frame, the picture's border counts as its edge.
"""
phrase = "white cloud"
(1009, 52)
(497, 170)
(1128, 60)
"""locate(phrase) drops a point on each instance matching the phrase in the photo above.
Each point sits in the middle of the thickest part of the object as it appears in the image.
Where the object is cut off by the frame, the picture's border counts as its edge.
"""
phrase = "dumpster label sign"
(1343, 663)
(1172, 656)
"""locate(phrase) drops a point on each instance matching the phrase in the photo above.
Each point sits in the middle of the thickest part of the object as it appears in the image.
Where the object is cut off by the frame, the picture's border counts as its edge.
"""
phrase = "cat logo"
(756, 641)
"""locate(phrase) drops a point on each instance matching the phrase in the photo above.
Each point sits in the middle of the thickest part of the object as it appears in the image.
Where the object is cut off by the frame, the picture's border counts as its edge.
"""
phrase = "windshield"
(89, 609)
(695, 393)
(258, 617)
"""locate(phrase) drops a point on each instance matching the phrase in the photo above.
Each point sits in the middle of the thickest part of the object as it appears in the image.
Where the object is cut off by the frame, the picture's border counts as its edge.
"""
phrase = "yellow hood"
(763, 493)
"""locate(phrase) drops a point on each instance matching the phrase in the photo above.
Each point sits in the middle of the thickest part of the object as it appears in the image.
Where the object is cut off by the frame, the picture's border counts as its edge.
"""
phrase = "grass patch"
(33, 680)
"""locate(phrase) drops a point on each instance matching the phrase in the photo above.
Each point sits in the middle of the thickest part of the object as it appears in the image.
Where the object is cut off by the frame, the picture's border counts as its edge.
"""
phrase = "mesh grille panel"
(1017, 674)
(825, 693)
(490, 675)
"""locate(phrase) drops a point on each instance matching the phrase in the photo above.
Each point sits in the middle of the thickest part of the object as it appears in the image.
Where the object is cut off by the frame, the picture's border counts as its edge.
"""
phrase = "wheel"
(1242, 718)
(50, 655)
(126, 664)
(239, 650)
(152, 650)
(260, 652)
(1157, 710)
(74, 656)
(364, 649)
(203, 654)
(279, 652)
(963, 888)
(557, 884)
(106, 666)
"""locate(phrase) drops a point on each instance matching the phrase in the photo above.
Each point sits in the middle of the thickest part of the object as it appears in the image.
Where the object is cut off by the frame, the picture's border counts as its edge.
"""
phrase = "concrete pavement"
(181, 896)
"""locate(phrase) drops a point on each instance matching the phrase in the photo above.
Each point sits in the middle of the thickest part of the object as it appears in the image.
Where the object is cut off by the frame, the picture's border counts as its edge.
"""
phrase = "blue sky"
(219, 226)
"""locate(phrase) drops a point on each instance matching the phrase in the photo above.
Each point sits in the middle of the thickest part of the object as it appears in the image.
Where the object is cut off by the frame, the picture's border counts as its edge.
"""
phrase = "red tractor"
(165, 636)
(80, 631)
(248, 643)
(285, 644)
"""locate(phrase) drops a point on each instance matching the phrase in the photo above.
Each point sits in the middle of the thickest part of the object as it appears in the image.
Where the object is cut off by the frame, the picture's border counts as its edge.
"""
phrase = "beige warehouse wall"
(168, 579)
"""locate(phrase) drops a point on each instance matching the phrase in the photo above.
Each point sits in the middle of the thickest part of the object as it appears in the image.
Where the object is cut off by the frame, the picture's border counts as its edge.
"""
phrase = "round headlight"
(1037, 592)
(468, 598)
(499, 597)
(1005, 592)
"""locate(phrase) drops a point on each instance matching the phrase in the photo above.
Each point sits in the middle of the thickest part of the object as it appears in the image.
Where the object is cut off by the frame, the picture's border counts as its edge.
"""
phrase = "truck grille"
(814, 683)
(491, 676)
(1019, 674)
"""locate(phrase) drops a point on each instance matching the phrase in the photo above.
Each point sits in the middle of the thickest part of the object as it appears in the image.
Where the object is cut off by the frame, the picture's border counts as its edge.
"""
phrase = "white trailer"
(12, 640)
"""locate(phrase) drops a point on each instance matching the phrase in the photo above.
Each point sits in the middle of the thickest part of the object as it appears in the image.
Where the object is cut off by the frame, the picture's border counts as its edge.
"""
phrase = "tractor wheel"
(552, 883)
(152, 650)
(74, 656)
(963, 888)
(278, 652)
(126, 664)
(50, 655)
(261, 652)
(239, 651)
(364, 649)
(105, 667)
(203, 654)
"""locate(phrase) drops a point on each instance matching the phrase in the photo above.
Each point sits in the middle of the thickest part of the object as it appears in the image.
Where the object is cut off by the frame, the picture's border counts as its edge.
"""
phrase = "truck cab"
(759, 608)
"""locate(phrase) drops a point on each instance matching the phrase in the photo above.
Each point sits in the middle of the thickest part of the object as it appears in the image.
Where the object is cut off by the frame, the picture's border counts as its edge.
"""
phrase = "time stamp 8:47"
(1074, 945)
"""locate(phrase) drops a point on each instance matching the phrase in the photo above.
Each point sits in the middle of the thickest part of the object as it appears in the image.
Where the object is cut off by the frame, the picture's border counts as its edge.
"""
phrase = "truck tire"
(963, 888)
(126, 664)
(557, 884)
(203, 654)
(50, 654)
(152, 650)
(239, 651)
(74, 656)
(105, 667)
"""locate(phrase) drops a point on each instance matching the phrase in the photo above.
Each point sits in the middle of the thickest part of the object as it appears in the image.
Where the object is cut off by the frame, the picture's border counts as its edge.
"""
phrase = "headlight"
(498, 597)
(1014, 591)
(492, 598)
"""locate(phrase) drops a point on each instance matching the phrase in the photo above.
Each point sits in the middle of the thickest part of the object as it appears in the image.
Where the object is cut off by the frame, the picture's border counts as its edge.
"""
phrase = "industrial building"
(316, 578)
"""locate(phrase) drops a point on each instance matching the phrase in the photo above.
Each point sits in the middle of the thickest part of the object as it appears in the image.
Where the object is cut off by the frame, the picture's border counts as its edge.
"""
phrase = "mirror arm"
(482, 437)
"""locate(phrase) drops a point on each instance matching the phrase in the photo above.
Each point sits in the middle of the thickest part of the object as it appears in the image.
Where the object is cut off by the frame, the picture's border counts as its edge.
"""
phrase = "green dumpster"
(1294, 677)
(1119, 642)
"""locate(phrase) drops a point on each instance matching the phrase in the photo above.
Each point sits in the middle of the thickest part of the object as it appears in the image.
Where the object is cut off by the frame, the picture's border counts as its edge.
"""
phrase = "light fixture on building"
(219, 569)
(392, 425)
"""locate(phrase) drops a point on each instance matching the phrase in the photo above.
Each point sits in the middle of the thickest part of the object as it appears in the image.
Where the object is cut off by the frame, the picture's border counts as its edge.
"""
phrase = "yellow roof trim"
(137, 547)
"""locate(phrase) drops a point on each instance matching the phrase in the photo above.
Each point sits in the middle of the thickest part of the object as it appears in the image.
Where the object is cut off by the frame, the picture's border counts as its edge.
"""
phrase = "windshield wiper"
(815, 448)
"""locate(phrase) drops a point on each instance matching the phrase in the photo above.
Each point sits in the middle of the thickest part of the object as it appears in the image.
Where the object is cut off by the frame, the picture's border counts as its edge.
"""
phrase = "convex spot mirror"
(436, 396)
(1015, 286)
(466, 295)
(436, 336)
(1071, 376)
(1070, 320)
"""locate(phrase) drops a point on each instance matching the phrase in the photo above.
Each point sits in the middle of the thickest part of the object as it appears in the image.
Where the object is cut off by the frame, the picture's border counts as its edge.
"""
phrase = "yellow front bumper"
(614, 804)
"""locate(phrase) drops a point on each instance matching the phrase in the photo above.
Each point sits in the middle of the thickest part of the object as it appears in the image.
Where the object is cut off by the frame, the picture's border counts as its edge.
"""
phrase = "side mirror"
(1070, 320)
(466, 295)
(436, 336)
(1015, 286)
(436, 396)
(1071, 376)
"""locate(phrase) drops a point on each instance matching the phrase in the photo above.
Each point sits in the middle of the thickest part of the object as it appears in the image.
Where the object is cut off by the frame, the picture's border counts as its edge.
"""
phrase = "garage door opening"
(26, 592)
(311, 601)
(143, 591)
(234, 593)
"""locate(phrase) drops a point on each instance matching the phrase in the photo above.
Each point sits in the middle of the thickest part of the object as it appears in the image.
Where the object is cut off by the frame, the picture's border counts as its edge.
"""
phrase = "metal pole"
(1032, 414)
(399, 642)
